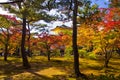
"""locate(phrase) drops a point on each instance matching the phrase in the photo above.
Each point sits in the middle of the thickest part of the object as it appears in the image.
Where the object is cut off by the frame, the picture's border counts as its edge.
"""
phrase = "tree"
(15, 40)
(29, 12)
(114, 3)
(86, 36)
(106, 29)
(111, 28)
(74, 41)
(30, 22)
(75, 49)
(49, 41)
(23, 11)
(6, 23)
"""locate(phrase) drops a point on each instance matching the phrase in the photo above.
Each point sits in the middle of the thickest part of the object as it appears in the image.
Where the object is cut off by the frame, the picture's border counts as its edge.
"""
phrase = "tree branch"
(11, 2)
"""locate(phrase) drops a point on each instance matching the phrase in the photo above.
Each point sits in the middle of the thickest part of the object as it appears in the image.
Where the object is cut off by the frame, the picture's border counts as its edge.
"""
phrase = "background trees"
(28, 11)
(5, 32)
(96, 30)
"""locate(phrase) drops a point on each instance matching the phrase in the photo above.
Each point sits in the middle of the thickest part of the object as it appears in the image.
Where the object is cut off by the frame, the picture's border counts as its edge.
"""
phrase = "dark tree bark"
(29, 50)
(48, 55)
(6, 45)
(106, 60)
(74, 41)
(24, 56)
(108, 55)
(48, 51)
(6, 52)
(11, 2)
(75, 49)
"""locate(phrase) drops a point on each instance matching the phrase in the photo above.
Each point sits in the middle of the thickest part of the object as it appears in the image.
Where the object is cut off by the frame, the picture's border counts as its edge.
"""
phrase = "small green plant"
(68, 52)
(55, 52)
(91, 55)
(82, 53)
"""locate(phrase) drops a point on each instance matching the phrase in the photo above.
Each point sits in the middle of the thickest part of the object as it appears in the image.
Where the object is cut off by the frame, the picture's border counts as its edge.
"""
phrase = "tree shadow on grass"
(103, 70)
(95, 67)
(63, 65)
(41, 77)
(14, 67)
(114, 63)
(104, 77)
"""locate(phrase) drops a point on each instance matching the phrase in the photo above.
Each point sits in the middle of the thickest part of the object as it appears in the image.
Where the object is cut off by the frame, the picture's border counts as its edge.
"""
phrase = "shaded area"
(13, 70)
(57, 69)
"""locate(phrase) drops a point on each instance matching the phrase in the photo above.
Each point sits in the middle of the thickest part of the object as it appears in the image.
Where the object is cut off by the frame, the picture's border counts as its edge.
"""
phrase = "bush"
(91, 55)
(68, 52)
(55, 52)
(82, 53)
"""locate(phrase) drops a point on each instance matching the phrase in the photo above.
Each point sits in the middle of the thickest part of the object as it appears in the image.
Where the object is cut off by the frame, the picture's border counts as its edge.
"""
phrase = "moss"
(59, 68)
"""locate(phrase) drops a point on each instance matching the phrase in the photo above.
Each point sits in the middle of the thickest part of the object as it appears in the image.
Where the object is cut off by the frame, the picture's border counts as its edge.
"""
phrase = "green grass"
(57, 69)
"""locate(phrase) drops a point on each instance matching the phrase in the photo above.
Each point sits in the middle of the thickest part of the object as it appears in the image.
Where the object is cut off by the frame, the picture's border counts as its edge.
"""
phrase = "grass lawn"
(57, 69)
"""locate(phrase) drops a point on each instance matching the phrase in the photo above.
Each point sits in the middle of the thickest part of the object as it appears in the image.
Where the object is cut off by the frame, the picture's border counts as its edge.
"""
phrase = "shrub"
(82, 53)
(68, 52)
(55, 52)
(91, 55)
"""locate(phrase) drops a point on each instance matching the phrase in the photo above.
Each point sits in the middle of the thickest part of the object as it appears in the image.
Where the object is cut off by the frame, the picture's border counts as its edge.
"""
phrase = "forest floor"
(59, 68)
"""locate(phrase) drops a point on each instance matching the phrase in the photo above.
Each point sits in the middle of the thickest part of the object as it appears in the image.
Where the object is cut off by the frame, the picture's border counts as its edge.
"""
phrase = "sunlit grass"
(89, 66)
(58, 68)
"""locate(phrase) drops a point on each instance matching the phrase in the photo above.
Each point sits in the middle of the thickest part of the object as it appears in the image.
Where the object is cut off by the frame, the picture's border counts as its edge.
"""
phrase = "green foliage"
(91, 55)
(32, 10)
(68, 32)
(110, 35)
(82, 53)
(87, 12)
(68, 52)
(104, 77)
(55, 52)
(4, 22)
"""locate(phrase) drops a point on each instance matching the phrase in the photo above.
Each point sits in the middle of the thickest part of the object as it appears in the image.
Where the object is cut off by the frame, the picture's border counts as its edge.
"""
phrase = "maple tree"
(6, 23)
(99, 28)
(84, 38)
(15, 40)
(111, 18)
(50, 42)
(107, 28)
(28, 12)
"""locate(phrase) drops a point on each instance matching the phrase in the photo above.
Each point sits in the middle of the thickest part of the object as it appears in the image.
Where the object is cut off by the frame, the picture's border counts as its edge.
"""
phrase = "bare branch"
(11, 2)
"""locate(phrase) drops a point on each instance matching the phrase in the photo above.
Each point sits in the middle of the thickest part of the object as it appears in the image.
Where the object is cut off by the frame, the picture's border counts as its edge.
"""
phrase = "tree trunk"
(48, 55)
(48, 52)
(108, 55)
(106, 63)
(29, 50)
(24, 57)
(6, 52)
(74, 40)
(6, 45)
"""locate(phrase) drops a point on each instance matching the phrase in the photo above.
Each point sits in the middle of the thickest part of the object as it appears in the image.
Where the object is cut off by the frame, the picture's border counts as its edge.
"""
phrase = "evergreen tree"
(28, 11)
